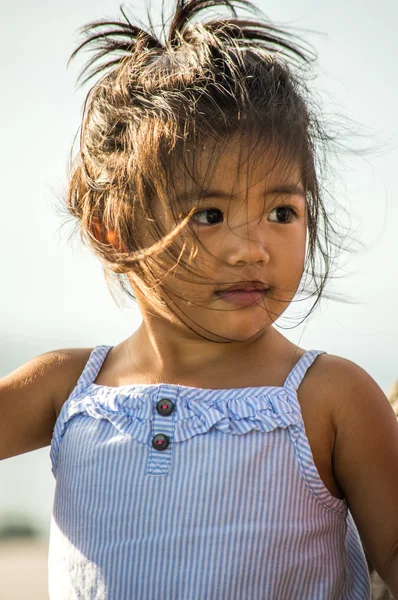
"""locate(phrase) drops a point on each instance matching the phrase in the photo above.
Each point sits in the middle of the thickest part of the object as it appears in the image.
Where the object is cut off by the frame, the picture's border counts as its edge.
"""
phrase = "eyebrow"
(294, 190)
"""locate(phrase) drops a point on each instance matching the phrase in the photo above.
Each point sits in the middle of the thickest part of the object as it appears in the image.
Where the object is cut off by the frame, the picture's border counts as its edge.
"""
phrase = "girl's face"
(251, 223)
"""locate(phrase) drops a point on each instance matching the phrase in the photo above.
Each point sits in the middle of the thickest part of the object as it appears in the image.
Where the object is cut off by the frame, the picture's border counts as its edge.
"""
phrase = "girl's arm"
(30, 398)
(365, 460)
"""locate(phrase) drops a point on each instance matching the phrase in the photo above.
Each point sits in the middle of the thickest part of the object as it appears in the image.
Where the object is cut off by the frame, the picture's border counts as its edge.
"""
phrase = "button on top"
(160, 441)
(165, 407)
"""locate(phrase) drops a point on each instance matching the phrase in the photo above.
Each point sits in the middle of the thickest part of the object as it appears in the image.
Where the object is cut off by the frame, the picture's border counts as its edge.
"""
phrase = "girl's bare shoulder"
(331, 386)
(334, 377)
(339, 384)
(69, 365)
(32, 396)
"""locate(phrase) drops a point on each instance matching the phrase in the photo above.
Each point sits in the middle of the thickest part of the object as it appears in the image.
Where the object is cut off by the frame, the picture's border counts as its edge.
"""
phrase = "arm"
(365, 462)
(31, 397)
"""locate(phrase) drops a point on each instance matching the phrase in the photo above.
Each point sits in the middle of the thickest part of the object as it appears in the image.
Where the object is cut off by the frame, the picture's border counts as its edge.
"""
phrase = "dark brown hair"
(157, 101)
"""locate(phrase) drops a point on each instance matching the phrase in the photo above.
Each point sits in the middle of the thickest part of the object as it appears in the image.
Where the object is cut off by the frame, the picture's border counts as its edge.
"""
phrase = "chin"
(240, 329)
(237, 324)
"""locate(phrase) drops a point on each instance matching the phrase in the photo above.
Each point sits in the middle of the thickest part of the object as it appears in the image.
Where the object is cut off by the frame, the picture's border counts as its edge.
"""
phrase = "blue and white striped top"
(169, 492)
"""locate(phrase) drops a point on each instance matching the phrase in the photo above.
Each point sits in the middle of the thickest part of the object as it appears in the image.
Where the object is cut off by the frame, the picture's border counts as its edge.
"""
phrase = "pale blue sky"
(54, 294)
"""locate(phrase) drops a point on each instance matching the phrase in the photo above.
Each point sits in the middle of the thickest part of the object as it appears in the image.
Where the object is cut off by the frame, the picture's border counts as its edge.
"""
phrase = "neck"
(168, 350)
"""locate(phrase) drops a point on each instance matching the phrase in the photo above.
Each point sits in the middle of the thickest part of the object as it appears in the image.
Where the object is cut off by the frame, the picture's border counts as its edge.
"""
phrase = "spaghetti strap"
(91, 369)
(296, 375)
(86, 378)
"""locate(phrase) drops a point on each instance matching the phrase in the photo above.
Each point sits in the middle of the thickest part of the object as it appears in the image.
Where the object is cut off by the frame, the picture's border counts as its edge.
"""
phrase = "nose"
(246, 247)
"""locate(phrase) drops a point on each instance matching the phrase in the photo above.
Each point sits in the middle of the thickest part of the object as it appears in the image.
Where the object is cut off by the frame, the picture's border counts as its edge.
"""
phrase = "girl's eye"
(210, 216)
(284, 214)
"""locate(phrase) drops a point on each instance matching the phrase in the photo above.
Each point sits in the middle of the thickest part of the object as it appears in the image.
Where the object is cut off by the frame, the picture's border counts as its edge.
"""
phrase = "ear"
(110, 236)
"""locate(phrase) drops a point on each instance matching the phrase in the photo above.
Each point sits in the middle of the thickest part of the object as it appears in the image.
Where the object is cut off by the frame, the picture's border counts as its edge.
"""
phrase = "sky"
(53, 291)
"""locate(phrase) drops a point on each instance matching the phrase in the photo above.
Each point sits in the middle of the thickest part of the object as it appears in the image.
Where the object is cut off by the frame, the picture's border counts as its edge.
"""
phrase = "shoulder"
(356, 401)
(63, 368)
(338, 379)
(62, 362)
(60, 366)
(32, 396)
(67, 357)
(346, 393)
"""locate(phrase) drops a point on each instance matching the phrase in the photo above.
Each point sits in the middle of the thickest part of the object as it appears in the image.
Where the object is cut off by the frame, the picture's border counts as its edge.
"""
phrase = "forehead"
(234, 167)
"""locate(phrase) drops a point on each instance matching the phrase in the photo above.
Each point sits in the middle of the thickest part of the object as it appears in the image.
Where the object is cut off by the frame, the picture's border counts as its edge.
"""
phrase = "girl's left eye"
(284, 214)
(210, 216)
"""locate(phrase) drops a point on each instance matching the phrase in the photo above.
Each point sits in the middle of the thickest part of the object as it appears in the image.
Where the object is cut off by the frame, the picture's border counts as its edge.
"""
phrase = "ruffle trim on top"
(132, 408)
(132, 413)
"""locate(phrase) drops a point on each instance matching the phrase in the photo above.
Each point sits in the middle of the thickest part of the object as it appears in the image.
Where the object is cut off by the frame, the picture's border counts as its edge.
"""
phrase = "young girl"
(206, 456)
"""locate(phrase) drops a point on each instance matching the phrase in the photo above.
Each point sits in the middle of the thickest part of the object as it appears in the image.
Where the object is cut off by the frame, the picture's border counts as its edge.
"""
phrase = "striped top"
(169, 492)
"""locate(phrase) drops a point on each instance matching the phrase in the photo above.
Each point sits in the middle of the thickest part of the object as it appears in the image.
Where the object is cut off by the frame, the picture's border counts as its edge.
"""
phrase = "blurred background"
(53, 291)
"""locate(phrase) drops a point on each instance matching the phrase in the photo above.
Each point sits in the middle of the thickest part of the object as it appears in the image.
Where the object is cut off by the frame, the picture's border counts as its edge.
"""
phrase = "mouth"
(243, 294)
(253, 286)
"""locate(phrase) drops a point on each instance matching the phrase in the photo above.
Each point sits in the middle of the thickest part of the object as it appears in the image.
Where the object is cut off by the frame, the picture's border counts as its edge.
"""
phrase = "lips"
(243, 295)
(254, 286)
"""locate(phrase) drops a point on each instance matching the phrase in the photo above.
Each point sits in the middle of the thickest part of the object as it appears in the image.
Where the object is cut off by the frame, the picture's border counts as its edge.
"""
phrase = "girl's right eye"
(210, 216)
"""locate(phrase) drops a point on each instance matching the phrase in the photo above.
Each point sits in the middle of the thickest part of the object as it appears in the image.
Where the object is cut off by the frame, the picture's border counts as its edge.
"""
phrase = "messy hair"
(158, 99)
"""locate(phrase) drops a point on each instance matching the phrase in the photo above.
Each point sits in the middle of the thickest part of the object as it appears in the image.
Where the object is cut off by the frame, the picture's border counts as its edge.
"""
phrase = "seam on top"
(341, 513)
(63, 420)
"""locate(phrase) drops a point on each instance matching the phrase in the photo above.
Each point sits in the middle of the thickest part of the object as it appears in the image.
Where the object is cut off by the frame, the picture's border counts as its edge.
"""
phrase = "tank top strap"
(296, 375)
(91, 369)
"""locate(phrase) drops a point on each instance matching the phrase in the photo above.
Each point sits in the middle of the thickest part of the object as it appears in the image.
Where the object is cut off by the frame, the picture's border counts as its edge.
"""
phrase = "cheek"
(291, 255)
(300, 252)
(201, 256)
(300, 256)
(301, 247)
